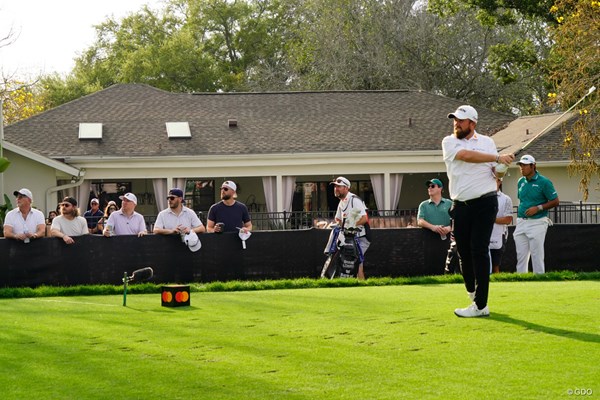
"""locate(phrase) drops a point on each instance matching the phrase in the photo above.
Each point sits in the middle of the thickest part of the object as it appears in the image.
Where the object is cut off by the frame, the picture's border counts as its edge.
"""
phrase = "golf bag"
(343, 258)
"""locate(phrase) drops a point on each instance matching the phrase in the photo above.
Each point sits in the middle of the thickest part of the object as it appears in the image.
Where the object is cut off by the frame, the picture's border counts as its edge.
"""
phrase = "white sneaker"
(471, 295)
(472, 311)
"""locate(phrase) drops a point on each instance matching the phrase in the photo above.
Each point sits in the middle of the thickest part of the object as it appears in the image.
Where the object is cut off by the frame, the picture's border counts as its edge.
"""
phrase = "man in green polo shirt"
(433, 213)
(536, 196)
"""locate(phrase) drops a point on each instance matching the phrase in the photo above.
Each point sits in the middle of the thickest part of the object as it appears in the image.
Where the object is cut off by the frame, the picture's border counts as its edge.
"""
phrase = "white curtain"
(270, 188)
(180, 183)
(395, 189)
(160, 192)
(289, 185)
(377, 181)
(377, 184)
(83, 195)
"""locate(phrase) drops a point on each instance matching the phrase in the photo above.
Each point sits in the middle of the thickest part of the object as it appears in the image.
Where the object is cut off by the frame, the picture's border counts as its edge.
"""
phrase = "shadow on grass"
(581, 336)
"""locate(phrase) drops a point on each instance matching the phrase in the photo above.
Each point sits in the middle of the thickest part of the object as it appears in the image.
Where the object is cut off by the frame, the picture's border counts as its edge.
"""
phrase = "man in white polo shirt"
(470, 160)
(177, 219)
(24, 222)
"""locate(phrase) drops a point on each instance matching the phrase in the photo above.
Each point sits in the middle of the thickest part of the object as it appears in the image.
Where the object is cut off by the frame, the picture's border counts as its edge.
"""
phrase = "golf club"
(502, 168)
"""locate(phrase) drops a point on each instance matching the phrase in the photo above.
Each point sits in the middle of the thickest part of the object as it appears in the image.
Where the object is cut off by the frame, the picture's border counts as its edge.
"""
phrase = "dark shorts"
(496, 255)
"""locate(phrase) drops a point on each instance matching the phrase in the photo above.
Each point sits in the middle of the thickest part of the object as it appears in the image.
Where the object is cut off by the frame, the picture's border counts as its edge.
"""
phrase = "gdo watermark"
(580, 392)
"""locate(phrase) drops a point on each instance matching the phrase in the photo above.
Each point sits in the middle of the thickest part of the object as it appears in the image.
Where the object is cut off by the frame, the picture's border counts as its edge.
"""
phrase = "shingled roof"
(134, 117)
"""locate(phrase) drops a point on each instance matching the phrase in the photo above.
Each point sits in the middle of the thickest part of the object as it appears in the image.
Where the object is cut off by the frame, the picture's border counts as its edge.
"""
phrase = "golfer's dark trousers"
(473, 224)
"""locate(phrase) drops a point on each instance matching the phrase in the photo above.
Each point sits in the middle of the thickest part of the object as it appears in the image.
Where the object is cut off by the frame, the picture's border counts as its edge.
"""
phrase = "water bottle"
(26, 232)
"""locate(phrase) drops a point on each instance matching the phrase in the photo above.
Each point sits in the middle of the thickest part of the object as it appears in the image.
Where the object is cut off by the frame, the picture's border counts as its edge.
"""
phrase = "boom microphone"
(142, 274)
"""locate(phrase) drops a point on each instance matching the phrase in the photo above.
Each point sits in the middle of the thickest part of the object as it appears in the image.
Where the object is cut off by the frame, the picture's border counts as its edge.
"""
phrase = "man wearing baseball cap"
(177, 219)
(93, 217)
(69, 223)
(352, 211)
(536, 196)
(470, 163)
(126, 221)
(24, 222)
(228, 215)
(433, 213)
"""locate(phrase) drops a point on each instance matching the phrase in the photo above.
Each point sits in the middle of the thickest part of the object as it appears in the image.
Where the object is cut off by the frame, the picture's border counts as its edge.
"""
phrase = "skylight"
(178, 130)
(89, 130)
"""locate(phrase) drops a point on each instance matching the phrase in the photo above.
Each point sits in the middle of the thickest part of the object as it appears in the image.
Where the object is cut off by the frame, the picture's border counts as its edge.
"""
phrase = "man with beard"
(68, 224)
(352, 212)
(470, 161)
(228, 215)
(177, 219)
(24, 222)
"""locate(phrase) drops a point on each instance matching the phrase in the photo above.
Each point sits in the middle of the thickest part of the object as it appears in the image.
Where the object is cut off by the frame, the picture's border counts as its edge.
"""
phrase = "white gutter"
(51, 190)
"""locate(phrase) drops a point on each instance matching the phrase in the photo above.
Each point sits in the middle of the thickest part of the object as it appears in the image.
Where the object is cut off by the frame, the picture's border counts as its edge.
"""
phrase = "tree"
(576, 69)
(20, 101)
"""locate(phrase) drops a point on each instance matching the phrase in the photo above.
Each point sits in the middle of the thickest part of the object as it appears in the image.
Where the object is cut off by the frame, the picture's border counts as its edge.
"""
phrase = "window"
(319, 196)
(199, 194)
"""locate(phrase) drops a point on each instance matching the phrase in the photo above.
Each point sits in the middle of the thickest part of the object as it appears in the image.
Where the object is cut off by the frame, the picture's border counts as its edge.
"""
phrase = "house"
(281, 149)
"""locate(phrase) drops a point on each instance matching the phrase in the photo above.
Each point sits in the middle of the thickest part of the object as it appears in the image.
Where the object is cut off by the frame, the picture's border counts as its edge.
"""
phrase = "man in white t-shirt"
(352, 211)
(24, 222)
(69, 223)
(470, 160)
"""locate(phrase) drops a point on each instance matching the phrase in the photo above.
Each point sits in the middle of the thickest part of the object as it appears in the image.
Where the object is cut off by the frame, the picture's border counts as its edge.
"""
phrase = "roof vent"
(232, 122)
(90, 130)
(178, 130)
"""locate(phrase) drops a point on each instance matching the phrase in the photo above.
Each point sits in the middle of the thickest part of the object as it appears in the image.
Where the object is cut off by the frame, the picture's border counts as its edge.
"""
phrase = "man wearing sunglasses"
(177, 219)
(228, 215)
(69, 223)
(24, 222)
(351, 211)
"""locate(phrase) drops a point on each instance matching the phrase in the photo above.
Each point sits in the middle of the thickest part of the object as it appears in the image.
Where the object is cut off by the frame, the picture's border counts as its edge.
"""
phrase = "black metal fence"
(565, 213)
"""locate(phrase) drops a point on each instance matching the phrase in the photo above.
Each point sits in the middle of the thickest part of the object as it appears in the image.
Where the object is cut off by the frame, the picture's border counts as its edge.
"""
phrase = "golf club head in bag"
(140, 275)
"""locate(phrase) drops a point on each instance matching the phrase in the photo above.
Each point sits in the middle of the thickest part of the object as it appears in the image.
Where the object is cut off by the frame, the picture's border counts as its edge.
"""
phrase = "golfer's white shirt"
(469, 180)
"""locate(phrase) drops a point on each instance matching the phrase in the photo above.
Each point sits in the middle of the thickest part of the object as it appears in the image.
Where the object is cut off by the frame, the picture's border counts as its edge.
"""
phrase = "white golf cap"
(464, 112)
(94, 200)
(129, 196)
(527, 159)
(24, 192)
(340, 181)
(229, 184)
(193, 241)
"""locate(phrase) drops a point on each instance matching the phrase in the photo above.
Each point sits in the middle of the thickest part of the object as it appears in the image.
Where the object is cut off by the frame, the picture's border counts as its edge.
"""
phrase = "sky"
(50, 34)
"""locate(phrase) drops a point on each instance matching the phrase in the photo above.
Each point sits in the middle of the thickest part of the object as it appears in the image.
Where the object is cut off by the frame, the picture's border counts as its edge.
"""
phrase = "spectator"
(433, 213)
(536, 196)
(500, 231)
(126, 221)
(352, 211)
(51, 215)
(177, 219)
(24, 222)
(228, 215)
(470, 160)
(94, 216)
(69, 224)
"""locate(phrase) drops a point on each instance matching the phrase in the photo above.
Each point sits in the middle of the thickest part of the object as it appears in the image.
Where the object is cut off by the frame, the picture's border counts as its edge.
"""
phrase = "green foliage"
(497, 12)
(4, 208)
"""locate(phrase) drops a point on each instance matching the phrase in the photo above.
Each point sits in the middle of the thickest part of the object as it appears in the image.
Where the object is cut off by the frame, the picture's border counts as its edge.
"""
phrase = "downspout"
(54, 189)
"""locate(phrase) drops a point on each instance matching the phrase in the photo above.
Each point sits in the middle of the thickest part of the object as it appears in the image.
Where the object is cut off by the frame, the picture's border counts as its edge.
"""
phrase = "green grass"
(361, 342)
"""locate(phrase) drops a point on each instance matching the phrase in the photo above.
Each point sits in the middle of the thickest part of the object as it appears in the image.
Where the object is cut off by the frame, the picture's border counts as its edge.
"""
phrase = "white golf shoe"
(472, 312)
